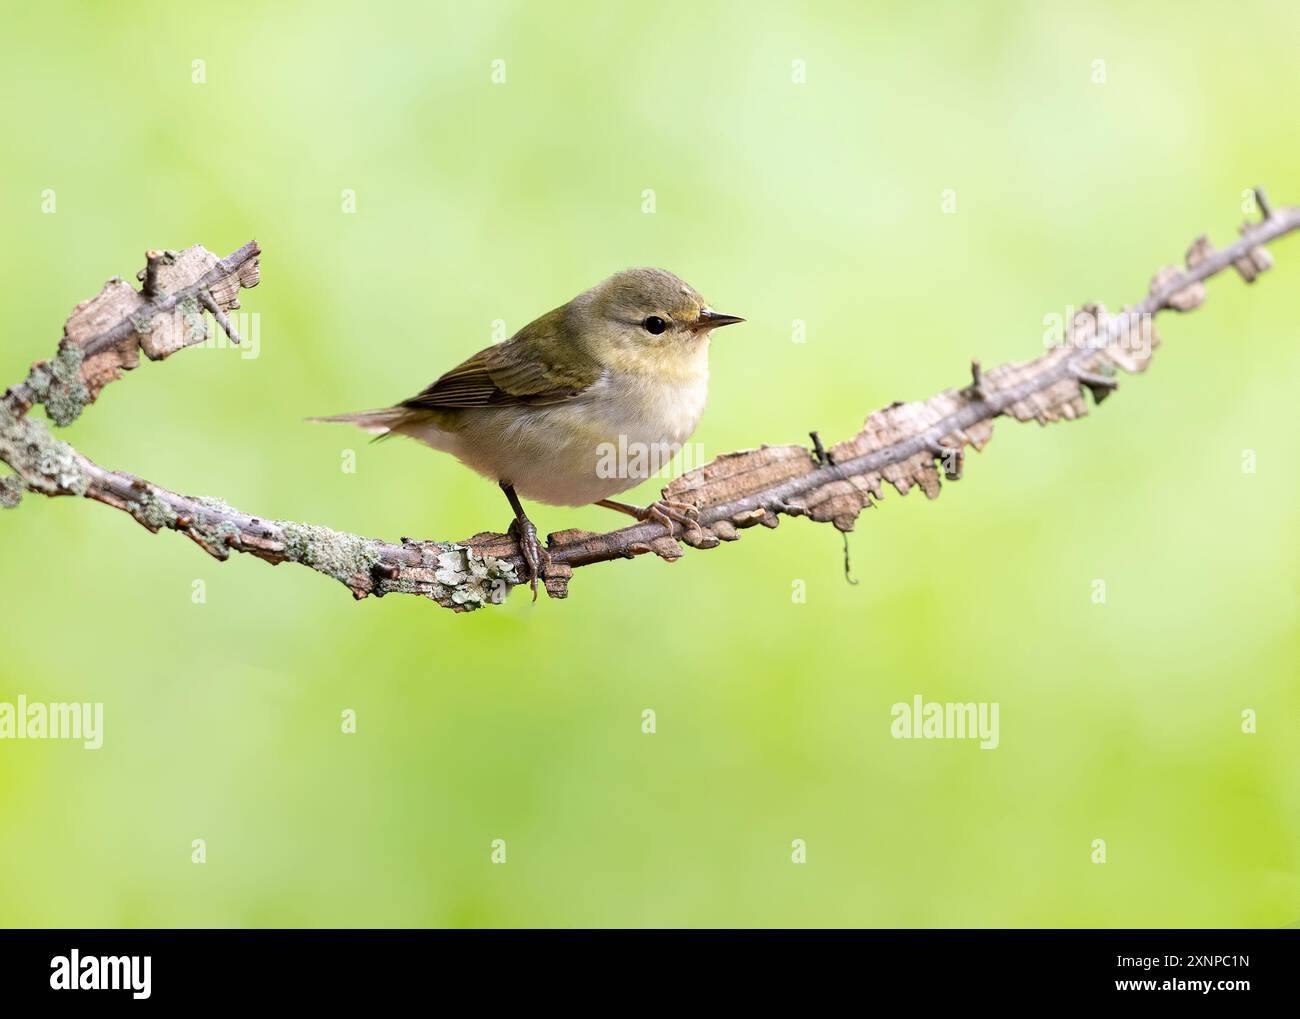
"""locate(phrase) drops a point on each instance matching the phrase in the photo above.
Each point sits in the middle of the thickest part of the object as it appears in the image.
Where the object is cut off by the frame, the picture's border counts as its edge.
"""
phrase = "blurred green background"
(819, 202)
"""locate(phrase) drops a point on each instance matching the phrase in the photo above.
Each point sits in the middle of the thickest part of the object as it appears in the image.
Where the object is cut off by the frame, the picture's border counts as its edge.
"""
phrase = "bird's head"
(647, 320)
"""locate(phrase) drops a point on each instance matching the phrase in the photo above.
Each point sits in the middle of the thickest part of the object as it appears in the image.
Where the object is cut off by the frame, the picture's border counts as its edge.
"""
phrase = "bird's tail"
(376, 422)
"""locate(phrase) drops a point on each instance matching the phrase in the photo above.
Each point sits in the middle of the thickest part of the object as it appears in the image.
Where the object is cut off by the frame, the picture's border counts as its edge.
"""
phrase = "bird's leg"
(525, 535)
(662, 511)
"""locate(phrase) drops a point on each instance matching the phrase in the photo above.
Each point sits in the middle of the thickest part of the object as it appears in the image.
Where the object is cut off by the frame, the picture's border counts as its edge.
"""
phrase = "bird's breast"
(639, 408)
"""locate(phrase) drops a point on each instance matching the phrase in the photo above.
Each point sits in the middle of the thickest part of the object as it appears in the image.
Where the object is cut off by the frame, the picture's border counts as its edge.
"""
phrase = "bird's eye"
(654, 324)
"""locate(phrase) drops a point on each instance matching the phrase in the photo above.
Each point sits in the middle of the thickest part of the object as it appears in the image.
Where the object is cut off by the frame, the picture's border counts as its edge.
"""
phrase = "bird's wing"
(521, 371)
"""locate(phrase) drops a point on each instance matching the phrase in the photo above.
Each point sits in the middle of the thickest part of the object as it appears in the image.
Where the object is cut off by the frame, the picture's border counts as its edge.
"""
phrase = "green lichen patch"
(58, 385)
(334, 553)
(196, 329)
(217, 538)
(153, 512)
(468, 581)
(402, 585)
(216, 505)
(220, 535)
(11, 491)
(45, 463)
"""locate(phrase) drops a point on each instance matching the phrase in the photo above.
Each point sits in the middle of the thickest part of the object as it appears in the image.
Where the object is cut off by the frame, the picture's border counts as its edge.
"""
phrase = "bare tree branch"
(900, 444)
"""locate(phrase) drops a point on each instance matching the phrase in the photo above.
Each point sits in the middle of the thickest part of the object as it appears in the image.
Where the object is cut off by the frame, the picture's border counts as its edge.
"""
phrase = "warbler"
(624, 365)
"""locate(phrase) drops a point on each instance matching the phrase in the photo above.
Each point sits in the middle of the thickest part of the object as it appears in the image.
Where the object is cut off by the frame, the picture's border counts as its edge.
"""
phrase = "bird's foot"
(667, 512)
(534, 553)
(662, 511)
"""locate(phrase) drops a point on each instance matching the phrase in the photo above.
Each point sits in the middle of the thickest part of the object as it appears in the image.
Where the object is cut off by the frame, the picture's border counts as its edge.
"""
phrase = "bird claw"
(531, 549)
(666, 512)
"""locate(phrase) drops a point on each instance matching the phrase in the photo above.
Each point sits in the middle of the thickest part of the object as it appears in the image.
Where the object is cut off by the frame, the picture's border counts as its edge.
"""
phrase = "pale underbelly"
(569, 455)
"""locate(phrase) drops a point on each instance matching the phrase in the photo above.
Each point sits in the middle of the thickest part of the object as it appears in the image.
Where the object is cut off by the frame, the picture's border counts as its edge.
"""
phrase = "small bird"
(622, 367)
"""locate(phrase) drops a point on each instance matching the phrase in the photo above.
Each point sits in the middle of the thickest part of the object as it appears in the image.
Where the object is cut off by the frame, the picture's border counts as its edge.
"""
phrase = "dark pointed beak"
(710, 319)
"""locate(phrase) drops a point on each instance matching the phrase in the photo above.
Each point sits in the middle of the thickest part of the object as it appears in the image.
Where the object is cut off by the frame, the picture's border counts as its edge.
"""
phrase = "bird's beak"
(710, 319)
